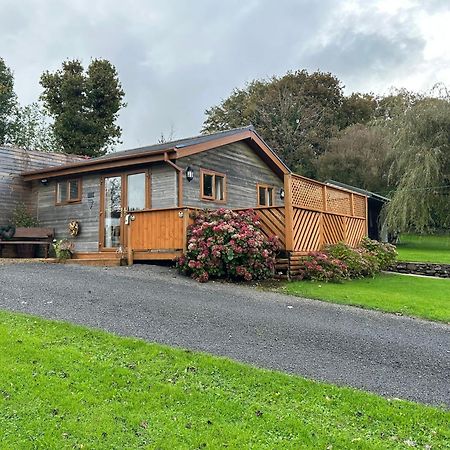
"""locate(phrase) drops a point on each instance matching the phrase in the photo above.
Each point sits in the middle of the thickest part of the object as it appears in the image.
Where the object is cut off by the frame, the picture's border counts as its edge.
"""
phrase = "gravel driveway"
(390, 355)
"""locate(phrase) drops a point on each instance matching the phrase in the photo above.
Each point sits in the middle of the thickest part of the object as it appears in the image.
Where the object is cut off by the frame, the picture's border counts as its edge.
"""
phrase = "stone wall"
(427, 269)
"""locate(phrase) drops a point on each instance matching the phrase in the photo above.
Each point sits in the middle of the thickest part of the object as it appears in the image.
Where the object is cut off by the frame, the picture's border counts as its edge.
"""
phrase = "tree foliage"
(297, 114)
(32, 130)
(8, 101)
(421, 167)
(359, 156)
(84, 106)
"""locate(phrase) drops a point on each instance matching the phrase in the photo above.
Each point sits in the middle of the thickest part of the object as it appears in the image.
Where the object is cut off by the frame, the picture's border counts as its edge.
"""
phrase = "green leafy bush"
(63, 248)
(360, 262)
(228, 244)
(386, 254)
(22, 218)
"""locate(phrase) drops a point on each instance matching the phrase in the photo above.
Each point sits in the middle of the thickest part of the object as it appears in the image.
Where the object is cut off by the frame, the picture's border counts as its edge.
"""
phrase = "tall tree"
(8, 101)
(32, 130)
(84, 106)
(358, 156)
(421, 168)
(358, 108)
(297, 114)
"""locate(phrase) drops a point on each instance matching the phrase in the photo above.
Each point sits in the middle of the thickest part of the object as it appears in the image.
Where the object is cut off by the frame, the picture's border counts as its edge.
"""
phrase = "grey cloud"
(175, 59)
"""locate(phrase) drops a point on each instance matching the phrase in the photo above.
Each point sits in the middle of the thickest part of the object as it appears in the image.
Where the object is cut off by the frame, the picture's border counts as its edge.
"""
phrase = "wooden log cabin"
(136, 204)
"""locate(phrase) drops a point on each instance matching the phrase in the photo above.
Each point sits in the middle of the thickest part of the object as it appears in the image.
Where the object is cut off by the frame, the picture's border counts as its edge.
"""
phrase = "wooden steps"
(99, 262)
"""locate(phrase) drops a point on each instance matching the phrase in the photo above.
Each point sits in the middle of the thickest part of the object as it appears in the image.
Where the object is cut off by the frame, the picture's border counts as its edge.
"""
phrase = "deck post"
(130, 258)
(289, 213)
(367, 216)
(186, 213)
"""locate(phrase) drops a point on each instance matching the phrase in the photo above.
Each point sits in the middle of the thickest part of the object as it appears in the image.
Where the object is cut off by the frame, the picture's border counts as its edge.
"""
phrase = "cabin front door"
(121, 194)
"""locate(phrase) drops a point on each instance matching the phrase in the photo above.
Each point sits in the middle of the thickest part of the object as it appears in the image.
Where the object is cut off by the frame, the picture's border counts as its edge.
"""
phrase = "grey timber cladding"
(13, 189)
(243, 168)
(85, 212)
(164, 188)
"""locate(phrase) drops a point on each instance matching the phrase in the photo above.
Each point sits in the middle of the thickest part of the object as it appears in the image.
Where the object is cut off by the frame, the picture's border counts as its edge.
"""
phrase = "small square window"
(265, 195)
(213, 186)
(68, 191)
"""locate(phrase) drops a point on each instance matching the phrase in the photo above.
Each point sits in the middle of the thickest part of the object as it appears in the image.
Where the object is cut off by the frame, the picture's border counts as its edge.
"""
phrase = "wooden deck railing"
(158, 233)
(317, 214)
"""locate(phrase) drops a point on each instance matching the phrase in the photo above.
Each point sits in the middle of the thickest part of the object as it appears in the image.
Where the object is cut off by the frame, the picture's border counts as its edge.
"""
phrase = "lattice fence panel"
(359, 206)
(338, 201)
(306, 193)
(355, 231)
(307, 229)
(272, 222)
(333, 228)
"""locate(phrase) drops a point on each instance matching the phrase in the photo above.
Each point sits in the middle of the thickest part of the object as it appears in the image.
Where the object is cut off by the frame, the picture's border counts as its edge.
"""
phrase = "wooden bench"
(30, 236)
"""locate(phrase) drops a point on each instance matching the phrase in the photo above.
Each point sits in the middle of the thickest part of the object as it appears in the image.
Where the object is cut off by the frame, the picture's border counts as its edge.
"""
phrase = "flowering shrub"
(360, 262)
(386, 254)
(339, 261)
(320, 266)
(228, 244)
(63, 248)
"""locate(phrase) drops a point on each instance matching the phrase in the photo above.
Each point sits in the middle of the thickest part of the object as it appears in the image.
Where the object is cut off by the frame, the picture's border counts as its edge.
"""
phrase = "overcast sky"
(177, 58)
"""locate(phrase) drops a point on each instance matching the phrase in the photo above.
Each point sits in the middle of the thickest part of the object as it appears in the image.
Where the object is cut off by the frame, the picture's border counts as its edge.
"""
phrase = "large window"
(136, 191)
(265, 195)
(212, 186)
(68, 191)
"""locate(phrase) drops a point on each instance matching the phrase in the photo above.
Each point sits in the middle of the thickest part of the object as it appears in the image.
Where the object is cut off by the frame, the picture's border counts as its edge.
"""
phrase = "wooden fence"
(315, 215)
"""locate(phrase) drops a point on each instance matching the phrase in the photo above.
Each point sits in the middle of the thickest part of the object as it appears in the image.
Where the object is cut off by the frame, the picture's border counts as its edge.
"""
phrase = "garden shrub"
(63, 248)
(228, 244)
(386, 254)
(339, 261)
(319, 266)
(360, 262)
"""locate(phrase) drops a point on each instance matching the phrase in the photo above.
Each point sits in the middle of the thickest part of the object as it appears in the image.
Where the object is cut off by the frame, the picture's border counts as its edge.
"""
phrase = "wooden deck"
(314, 215)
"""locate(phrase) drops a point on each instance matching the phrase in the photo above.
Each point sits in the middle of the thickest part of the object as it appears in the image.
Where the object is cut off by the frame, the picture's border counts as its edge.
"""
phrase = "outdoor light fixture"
(189, 173)
(44, 181)
(282, 193)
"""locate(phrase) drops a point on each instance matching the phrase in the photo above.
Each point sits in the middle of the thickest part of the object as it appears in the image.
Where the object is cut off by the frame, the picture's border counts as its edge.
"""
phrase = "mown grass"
(428, 298)
(418, 248)
(64, 386)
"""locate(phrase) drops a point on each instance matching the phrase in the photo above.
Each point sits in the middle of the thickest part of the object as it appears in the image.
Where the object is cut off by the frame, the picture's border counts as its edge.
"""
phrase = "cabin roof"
(348, 187)
(168, 150)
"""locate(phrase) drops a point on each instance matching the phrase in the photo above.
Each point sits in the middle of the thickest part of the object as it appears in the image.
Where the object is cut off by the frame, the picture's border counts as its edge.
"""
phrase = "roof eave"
(95, 165)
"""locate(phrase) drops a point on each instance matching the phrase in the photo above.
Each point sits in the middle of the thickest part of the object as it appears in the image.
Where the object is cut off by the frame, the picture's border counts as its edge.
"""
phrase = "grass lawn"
(428, 298)
(424, 248)
(64, 386)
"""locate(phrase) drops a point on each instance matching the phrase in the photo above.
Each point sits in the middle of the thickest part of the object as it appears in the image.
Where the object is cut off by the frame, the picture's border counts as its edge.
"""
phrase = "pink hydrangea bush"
(228, 244)
(339, 261)
(319, 266)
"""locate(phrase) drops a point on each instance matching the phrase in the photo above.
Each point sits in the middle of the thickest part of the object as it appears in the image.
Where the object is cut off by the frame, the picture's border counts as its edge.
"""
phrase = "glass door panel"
(136, 191)
(112, 214)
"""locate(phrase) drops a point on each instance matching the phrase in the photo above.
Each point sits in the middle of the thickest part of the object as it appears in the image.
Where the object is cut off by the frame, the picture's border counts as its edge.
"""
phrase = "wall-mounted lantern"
(189, 173)
(282, 193)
